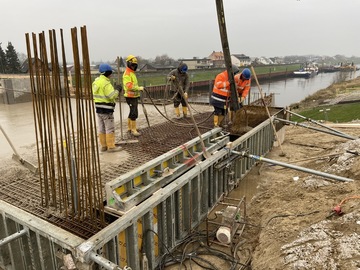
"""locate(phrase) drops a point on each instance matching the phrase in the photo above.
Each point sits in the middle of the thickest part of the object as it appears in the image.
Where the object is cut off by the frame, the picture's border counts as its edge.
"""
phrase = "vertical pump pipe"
(225, 46)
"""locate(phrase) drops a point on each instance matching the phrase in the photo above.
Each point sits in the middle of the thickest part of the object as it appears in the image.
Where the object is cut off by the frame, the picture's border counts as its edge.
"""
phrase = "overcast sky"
(189, 28)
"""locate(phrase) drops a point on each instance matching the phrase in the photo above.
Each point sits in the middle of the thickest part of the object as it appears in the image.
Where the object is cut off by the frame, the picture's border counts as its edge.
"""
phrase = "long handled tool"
(267, 110)
(181, 91)
(17, 157)
(144, 109)
(123, 141)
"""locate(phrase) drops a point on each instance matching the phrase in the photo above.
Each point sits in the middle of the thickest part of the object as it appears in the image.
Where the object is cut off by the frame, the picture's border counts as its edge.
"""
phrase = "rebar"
(67, 148)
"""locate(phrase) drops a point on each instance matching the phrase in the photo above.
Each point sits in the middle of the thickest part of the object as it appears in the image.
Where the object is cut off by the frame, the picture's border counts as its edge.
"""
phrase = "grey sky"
(189, 28)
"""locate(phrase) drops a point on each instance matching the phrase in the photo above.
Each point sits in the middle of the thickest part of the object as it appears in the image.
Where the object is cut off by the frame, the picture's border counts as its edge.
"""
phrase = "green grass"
(336, 113)
(159, 78)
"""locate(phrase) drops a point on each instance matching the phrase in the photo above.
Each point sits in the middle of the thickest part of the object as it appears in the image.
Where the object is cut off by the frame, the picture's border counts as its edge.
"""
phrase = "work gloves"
(141, 88)
(118, 87)
(185, 95)
(241, 99)
(172, 78)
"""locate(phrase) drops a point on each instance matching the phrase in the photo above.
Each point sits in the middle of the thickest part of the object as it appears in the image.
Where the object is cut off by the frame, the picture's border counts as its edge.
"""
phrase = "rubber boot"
(110, 141)
(129, 125)
(177, 112)
(133, 128)
(221, 118)
(185, 111)
(216, 120)
(103, 145)
(231, 114)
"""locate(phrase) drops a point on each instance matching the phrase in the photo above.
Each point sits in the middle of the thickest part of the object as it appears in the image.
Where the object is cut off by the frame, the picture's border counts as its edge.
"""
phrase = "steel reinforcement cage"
(148, 229)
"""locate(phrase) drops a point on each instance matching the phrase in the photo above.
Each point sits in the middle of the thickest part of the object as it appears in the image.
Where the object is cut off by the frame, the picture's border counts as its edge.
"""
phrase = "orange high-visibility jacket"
(242, 86)
(221, 91)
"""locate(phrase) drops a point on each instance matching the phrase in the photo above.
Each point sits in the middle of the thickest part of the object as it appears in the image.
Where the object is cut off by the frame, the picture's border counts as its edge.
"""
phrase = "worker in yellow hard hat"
(179, 78)
(132, 92)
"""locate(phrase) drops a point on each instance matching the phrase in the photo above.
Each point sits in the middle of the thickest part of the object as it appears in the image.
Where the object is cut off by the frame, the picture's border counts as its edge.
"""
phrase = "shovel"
(17, 157)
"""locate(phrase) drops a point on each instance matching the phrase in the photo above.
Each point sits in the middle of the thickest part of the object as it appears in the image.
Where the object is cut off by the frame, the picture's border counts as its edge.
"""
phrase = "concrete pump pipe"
(317, 129)
(298, 168)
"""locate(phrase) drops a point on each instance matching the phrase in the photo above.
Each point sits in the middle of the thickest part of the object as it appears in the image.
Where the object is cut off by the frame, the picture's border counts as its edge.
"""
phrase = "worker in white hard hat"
(132, 92)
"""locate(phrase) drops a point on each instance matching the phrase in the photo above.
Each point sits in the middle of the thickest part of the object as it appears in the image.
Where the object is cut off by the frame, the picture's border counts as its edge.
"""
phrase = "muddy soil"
(293, 222)
(300, 220)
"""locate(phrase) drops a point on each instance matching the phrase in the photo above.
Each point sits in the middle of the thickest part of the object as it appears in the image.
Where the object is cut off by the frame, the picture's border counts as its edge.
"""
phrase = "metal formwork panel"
(167, 216)
(133, 187)
(182, 204)
(40, 248)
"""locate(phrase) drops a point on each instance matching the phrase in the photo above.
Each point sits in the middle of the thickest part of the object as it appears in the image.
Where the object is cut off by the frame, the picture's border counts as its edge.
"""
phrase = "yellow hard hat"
(132, 59)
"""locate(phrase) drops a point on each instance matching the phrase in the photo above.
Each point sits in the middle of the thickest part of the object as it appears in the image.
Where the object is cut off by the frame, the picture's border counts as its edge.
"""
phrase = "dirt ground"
(294, 225)
(300, 220)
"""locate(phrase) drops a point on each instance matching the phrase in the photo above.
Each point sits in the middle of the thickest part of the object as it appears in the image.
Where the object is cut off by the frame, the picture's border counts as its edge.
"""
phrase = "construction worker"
(179, 79)
(132, 92)
(105, 96)
(243, 85)
(220, 97)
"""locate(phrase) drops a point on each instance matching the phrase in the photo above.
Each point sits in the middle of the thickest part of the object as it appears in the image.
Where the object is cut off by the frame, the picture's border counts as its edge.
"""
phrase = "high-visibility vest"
(130, 84)
(104, 94)
(242, 86)
(221, 91)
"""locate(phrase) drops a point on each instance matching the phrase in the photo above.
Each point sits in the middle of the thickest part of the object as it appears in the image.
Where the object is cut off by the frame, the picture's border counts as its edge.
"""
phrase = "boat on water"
(307, 71)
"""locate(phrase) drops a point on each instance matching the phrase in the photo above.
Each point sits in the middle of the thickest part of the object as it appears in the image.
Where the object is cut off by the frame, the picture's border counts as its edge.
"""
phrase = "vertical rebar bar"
(67, 151)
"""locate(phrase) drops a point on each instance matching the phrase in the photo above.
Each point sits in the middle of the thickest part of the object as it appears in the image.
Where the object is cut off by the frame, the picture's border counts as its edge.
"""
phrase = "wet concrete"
(18, 122)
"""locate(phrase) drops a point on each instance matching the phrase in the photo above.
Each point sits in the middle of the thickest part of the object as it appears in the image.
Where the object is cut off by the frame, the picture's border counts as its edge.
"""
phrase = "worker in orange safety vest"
(220, 97)
(243, 85)
(132, 92)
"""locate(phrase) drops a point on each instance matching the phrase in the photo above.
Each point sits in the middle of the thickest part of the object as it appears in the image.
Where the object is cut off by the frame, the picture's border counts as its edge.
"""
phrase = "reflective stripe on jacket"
(221, 91)
(130, 84)
(104, 95)
(242, 86)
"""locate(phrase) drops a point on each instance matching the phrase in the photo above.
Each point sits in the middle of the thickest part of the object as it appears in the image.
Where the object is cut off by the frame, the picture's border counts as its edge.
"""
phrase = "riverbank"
(301, 221)
(342, 92)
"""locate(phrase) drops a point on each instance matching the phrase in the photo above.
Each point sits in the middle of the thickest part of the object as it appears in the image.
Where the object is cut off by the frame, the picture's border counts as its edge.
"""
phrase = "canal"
(293, 90)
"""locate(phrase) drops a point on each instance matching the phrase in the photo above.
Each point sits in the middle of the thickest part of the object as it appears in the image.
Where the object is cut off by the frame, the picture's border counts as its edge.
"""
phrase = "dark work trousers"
(178, 99)
(220, 111)
(133, 105)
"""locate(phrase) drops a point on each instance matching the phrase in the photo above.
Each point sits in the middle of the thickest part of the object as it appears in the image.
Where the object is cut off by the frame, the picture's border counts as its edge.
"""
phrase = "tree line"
(9, 60)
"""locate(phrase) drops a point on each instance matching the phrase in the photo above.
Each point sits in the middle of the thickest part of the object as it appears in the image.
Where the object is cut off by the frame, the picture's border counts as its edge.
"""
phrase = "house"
(263, 61)
(25, 66)
(217, 59)
(197, 63)
(240, 60)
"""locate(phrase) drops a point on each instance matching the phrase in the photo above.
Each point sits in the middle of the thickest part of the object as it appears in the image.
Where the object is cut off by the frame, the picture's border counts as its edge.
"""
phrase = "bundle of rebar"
(66, 137)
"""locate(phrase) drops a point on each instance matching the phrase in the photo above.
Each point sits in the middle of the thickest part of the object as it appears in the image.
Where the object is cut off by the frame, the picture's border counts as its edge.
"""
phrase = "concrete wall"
(15, 89)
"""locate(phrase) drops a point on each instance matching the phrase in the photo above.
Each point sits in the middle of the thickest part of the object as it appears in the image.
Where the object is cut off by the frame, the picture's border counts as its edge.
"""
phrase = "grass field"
(336, 113)
(159, 78)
